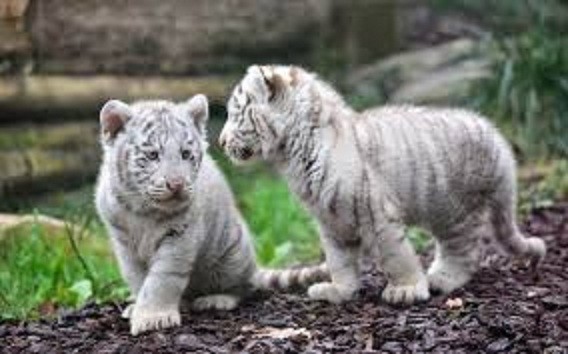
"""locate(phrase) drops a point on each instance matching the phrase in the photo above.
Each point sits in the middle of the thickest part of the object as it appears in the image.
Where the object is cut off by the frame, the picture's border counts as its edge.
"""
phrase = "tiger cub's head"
(154, 149)
(261, 109)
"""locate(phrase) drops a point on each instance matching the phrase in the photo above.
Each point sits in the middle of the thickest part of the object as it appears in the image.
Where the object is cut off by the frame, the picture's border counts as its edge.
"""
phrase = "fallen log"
(35, 171)
(44, 96)
(50, 224)
(37, 158)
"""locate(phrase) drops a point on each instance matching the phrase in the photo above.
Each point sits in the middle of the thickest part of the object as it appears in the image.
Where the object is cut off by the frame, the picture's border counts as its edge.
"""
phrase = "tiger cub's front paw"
(143, 320)
(407, 294)
(330, 292)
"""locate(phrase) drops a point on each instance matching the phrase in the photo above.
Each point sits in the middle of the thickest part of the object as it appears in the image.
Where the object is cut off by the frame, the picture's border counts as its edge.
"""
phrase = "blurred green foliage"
(509, 17)
(543, 192)
(527, 94)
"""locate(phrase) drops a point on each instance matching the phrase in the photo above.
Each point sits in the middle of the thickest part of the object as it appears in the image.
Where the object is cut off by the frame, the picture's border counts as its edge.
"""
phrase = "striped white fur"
(366, 175)
(171, 216)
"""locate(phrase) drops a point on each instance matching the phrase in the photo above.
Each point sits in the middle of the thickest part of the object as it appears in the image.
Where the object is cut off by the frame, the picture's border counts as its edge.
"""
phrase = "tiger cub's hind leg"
(458, 254)
(221, 302)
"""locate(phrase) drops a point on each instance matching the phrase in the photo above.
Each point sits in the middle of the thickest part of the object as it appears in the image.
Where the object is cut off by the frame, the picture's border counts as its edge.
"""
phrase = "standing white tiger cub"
(366, 175)
(174, 226)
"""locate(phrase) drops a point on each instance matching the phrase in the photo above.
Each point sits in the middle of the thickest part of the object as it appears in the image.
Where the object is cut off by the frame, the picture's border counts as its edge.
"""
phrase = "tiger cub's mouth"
(239, 153)
(172, 198)
(246, 153)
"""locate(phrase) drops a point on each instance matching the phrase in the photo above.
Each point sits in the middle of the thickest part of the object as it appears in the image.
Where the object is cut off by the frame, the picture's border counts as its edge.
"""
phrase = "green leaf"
(282, 252)
(83, 289)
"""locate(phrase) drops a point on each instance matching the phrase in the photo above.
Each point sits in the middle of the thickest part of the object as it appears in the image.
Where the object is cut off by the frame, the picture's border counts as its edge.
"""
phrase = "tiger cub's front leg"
(158, 301)
(406, 281)
(343, 264)
(132, 269)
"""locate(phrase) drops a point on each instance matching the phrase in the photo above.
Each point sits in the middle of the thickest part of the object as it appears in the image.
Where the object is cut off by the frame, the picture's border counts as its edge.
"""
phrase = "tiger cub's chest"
(143, 237)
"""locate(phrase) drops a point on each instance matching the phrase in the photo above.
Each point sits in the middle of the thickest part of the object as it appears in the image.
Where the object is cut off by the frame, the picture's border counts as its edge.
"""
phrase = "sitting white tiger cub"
(366, 175)
(174, 226)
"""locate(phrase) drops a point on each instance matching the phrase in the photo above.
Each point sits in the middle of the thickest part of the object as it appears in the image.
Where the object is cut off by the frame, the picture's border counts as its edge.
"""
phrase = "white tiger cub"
(174, 226)
(366, 175)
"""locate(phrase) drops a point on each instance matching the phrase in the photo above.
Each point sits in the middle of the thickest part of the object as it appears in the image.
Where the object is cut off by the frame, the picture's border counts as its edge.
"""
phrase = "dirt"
(505, 308)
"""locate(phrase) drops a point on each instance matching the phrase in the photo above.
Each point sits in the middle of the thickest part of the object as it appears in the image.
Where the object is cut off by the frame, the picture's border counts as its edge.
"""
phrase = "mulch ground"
(506, 308)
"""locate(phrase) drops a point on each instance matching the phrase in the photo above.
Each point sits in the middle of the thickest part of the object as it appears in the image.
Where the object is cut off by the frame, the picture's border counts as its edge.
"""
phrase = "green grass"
(284, 233)
(40, 271)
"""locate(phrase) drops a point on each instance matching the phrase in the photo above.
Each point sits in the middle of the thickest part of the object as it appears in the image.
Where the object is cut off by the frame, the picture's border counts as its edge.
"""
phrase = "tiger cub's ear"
(198, 110)
(113, 117)
(276, 78)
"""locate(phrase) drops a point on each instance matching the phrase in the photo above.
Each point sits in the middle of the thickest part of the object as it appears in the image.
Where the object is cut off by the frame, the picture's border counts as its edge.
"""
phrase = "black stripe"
(355, 206)
(149, 124)
(357, 143)
(294, 279)
(367, 189)
(333, 201)
(122, 158)
(274, 281)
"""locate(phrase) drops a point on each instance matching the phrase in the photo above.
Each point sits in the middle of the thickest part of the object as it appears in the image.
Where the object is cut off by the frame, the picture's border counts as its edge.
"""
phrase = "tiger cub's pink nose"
(175, 184)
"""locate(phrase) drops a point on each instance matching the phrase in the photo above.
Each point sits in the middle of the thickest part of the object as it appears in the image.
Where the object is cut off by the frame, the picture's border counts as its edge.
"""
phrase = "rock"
(555, 301)
(438, 74)
(414, 64)
(188, 341)
(555, 349)
(499, 346)
(445, 85)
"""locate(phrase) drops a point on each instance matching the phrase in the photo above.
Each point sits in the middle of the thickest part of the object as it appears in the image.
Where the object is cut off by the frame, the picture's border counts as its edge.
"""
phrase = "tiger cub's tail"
(289, 278)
